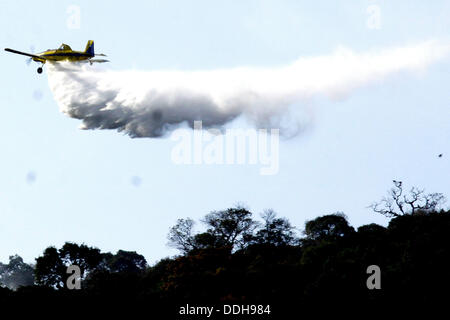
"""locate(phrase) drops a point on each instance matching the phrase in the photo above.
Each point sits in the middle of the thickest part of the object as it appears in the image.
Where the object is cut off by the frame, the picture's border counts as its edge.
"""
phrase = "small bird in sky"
(440, 155)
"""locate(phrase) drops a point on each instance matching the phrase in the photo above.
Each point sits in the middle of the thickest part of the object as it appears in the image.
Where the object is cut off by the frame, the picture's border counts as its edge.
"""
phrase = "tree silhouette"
(52, 266)
(180, 236)
(125, 261)
(275, 231)
(16, 273)
(240, 261)
(50, 269)
(231, 227)
(398, 204)
(332, 226)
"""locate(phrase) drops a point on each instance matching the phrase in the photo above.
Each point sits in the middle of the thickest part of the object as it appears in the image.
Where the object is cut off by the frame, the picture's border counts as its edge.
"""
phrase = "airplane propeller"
(28, 61)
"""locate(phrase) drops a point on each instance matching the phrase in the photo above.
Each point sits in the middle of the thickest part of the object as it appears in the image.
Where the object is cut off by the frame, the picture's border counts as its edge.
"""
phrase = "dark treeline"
(240, 260)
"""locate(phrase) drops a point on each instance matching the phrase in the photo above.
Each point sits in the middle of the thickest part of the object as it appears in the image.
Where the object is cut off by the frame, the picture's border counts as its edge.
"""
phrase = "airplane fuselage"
(61, 55)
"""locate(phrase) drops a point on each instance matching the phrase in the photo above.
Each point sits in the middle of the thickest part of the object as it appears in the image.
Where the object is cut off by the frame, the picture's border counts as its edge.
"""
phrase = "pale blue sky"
(59, 183)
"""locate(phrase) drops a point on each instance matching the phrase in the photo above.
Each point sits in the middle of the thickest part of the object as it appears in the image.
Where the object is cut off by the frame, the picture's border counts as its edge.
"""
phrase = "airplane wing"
(97, 60)
(25, 54)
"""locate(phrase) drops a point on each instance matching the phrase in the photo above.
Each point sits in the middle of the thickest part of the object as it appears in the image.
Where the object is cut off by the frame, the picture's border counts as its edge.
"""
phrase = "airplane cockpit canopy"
(64, 47)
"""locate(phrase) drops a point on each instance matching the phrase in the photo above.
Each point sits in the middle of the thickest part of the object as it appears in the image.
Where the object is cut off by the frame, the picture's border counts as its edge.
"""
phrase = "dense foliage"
(240, 260)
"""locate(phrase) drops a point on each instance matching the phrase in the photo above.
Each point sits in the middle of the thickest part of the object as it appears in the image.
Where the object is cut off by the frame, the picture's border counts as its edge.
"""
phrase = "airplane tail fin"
(90, 47)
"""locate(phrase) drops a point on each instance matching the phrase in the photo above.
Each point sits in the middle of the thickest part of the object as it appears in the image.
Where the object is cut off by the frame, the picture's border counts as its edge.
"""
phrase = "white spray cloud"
(149, 104)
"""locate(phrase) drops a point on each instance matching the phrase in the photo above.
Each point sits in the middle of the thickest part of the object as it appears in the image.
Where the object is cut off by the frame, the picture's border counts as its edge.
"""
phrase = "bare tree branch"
(180, 236)
(417, 201)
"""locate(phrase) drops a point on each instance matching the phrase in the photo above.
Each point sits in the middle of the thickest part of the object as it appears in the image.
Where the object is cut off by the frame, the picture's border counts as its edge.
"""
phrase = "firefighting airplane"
(63, 53)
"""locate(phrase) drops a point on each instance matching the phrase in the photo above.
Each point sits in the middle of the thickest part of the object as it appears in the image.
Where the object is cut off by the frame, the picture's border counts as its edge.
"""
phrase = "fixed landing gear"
(39, 70)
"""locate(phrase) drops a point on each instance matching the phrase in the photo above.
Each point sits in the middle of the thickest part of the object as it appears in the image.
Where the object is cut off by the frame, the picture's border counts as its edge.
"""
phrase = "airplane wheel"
(39, 70)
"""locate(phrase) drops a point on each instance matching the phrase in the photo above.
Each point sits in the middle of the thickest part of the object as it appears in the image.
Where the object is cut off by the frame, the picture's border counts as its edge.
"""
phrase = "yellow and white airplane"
(63, 53)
